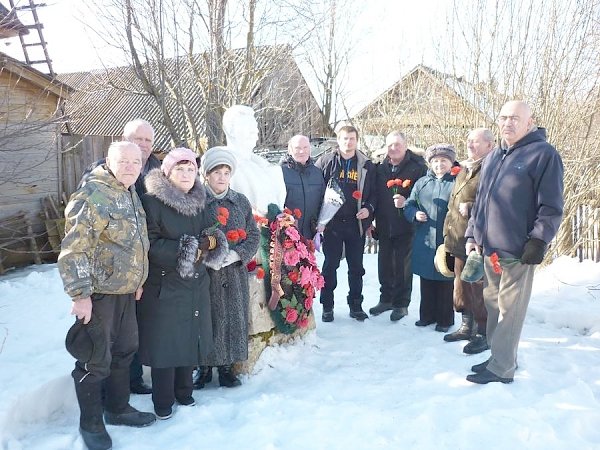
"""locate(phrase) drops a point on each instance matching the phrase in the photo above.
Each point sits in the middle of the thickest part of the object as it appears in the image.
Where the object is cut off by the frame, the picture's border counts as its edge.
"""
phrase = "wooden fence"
(78, 152)
(586, 232)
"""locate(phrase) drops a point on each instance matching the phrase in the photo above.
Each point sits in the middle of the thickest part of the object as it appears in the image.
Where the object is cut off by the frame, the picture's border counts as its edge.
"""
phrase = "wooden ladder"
(37, 42)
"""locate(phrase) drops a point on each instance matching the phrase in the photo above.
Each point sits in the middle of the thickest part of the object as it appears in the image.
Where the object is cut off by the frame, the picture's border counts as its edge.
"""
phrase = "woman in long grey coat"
(175, 326)
(229, 290)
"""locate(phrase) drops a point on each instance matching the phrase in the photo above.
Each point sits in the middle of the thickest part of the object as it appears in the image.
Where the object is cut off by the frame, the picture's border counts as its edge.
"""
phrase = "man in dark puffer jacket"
(304, 184)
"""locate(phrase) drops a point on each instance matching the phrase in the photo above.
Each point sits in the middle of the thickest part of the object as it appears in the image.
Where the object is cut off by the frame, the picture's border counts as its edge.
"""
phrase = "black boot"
(227, 377)
(464, 332)
(478, 342)
(91, 424)
(203, 376)
(117, 410)
(356, 311)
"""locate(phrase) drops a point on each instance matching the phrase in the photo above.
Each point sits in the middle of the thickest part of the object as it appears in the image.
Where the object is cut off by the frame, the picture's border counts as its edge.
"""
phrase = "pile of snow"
(348, 385)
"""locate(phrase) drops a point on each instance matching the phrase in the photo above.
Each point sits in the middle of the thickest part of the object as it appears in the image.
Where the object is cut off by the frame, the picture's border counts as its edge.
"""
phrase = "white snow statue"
(256, 178)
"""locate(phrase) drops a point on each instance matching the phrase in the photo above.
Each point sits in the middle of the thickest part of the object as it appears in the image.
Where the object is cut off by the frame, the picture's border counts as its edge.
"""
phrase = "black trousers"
(116, 314)
(169, 384)
(341, 234)
(436, 302)
(394, 267)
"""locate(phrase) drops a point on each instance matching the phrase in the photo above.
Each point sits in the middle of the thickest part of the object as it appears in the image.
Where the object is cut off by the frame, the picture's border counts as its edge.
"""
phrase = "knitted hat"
(175, 156)
(442, 261)
(86, 343)
(445, 150)
(473, 270)
(216, 156)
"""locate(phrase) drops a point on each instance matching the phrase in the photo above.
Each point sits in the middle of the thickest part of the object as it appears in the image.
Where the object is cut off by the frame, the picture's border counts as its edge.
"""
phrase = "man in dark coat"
(517, 212)
(468, 297)
(394, 232)
(304, 184)
(139, 132)
(355, 174)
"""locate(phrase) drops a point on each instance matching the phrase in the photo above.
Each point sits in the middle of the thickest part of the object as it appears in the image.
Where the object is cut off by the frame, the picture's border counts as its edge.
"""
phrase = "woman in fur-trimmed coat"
(174, 320)
(229, 290)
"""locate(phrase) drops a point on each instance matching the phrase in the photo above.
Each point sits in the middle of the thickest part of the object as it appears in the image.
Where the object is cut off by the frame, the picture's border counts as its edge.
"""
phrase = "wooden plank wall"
(78, 153)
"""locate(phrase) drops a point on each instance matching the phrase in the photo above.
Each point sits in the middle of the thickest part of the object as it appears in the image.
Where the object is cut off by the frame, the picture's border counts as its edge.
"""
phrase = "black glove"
(534, 251)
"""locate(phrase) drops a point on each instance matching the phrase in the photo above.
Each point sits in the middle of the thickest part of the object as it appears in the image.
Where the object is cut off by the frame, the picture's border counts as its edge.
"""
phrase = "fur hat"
(175, 156)
(473, 270)
(216, 156)
(445, 150)
(444, 262)
(86, 343)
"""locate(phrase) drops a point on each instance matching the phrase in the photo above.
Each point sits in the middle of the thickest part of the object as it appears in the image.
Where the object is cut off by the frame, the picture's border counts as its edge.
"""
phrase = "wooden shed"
(31, 105)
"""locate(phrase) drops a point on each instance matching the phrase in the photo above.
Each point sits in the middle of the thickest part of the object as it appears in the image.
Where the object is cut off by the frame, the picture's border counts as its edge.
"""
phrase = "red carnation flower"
(251, 265)
(260, 273)
(455, 171)
(232, 236)
(406, 183)
(222, 211)
(293, 276)
(297, 213)
(495, 263)
(287, 211)
(390, 183)
(356, 195)
(222, 219)
(242, 234)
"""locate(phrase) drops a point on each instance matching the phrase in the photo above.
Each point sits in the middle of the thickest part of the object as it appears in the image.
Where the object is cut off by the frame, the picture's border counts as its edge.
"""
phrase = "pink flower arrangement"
(299, 275)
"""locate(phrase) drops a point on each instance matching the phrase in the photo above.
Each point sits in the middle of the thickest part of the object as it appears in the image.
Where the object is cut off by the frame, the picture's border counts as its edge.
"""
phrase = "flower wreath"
(292, 276)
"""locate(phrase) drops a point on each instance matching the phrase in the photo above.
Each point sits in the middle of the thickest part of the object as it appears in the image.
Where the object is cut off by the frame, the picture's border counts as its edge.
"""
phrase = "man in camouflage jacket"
(103, 264)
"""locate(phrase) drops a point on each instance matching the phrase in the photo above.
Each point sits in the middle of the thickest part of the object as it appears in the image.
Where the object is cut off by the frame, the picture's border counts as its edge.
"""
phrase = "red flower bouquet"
(396, 184)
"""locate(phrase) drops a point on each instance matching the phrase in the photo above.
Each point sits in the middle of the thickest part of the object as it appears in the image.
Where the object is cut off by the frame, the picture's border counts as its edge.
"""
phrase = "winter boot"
(227, 377)
(478, 342)
(117, 410)
(379, 308)
(203, 376)
(465, 330)
(399, 313)
(91, 424)
(327, 315)
(356, 311)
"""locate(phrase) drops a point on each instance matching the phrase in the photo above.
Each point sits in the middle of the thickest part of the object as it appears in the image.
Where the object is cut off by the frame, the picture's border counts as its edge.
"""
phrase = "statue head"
(241, 128)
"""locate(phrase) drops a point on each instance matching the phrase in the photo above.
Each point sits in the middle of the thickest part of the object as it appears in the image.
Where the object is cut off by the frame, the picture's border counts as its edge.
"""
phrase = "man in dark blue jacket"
(517, 212)
(394, 232)
(355, 174)
(304, 184)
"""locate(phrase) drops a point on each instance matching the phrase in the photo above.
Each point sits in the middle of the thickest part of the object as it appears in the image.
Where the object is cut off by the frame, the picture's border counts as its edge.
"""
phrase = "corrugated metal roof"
(462, 88)
(104, 100)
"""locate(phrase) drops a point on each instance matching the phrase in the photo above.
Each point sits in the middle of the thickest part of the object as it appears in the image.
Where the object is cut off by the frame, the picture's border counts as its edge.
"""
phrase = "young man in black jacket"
(402, 168)
(355, 174)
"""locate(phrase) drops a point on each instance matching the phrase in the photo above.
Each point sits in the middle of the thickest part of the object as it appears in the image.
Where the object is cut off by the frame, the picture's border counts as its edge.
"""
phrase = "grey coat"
(174, 321)
(229, 290)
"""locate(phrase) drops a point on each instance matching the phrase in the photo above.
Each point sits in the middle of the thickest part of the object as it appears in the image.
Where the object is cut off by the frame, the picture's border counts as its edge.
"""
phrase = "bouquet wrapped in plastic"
(333, 199)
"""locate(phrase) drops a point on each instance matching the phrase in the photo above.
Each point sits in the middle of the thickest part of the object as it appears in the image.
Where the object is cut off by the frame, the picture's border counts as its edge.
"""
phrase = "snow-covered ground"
(349, 385)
